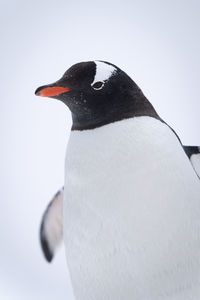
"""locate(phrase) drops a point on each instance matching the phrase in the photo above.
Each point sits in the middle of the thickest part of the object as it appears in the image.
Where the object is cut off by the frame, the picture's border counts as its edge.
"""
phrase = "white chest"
(131, 213)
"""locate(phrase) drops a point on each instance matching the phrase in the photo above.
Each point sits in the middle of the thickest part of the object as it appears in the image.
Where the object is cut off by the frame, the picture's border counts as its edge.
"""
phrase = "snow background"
(156, 42)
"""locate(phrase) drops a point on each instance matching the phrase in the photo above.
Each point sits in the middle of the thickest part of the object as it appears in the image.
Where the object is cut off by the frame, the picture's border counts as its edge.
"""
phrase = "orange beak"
(51, 91)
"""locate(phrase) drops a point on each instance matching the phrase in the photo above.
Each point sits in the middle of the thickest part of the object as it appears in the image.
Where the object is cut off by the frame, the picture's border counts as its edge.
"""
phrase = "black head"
(98, 93)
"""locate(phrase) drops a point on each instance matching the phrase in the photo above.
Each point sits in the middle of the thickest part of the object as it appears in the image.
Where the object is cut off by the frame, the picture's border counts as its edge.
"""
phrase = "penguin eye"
(98, 85)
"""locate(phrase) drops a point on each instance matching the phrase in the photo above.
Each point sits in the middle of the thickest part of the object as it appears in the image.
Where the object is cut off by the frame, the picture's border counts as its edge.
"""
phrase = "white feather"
(131, 214)
(103, 71)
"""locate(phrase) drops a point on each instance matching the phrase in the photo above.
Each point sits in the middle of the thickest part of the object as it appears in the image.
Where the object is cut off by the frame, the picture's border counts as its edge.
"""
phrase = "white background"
(156, 42)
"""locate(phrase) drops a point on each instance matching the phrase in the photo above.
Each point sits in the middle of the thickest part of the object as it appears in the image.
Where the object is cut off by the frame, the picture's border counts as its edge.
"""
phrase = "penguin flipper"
(51, 228)
(193, 152)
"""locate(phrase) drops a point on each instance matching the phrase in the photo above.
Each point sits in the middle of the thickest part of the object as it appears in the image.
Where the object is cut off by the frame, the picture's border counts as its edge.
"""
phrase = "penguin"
(131, 196)
(52, 219)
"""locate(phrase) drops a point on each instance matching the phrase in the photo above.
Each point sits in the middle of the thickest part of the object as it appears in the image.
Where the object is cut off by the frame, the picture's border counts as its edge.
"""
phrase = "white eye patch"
(103, 73)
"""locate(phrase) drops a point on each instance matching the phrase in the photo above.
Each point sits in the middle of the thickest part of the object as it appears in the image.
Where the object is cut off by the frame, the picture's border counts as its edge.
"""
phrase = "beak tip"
(38, 92)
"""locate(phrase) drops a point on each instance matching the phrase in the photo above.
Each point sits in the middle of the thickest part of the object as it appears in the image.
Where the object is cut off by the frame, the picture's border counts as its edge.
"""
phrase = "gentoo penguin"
(131, 195)
(52, 219)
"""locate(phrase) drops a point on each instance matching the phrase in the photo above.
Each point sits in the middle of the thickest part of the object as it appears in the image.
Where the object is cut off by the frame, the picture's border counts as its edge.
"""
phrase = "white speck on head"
(103, 71)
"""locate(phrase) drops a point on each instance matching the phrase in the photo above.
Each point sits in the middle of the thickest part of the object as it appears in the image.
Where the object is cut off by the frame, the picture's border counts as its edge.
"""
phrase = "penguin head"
(96, 92)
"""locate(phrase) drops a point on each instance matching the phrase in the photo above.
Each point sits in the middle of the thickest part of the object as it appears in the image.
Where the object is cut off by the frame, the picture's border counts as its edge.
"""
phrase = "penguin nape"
(131, 196)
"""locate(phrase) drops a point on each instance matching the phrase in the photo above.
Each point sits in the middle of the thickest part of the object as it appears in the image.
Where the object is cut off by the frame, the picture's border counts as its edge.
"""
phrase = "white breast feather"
(131, 214)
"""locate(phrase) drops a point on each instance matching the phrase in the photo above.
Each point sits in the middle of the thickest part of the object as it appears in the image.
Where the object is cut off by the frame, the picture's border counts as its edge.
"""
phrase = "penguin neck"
(132, 105)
